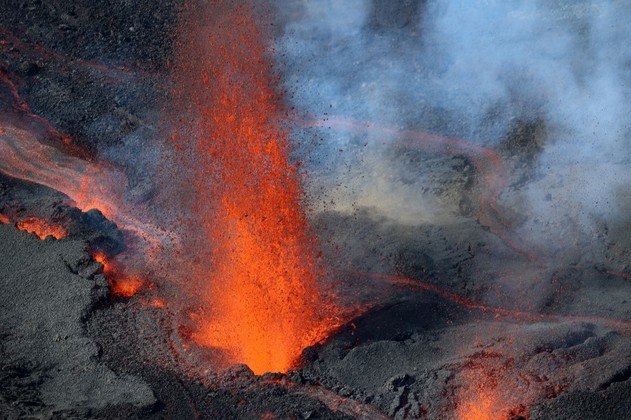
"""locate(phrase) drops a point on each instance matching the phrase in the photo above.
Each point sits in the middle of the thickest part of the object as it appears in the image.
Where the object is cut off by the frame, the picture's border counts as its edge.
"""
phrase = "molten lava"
(121, 284)
(42, 228)
(263, 299)
(478, 408)
(27, 153)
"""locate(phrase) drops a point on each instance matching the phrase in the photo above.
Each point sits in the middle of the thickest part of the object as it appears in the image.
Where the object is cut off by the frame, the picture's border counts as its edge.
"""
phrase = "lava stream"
(89, 185)
(621, 325)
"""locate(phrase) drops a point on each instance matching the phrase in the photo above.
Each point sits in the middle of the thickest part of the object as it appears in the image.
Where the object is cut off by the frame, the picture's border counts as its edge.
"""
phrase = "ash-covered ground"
(517, 303)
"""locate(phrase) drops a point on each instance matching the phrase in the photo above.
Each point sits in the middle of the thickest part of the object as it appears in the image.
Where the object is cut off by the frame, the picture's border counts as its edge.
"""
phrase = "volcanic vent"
(361, 209)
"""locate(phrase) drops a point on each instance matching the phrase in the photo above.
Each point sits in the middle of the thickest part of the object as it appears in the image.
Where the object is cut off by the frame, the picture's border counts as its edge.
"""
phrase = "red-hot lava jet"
(261, 297)
(263, 300)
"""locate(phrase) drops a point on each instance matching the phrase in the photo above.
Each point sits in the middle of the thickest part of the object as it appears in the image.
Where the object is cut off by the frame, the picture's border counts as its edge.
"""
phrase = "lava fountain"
(263, 298)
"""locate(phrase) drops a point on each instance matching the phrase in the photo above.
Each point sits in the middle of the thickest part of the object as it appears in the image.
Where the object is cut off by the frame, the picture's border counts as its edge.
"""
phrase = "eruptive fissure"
(262, 292)
(234, 102)
(621, 325)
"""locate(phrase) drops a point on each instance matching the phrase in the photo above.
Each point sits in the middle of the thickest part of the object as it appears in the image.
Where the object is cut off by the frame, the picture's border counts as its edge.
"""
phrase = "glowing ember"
(4, 219)
(42, 228)
(263, 303)
(121, 285)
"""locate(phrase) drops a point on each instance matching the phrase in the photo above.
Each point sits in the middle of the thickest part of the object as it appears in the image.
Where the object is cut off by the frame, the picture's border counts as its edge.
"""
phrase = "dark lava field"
(467, 174)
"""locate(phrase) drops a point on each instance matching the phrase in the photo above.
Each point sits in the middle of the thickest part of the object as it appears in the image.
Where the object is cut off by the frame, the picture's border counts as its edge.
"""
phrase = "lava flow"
(27, 153)
(263, 301)
(621, 325)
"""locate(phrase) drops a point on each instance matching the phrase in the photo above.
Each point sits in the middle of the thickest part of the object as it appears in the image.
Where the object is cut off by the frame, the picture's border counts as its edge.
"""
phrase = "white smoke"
(470, 69)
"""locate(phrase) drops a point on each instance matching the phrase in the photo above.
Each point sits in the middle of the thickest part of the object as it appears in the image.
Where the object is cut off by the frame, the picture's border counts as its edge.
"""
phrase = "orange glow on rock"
(121, 285)
(486, 403)
(126, 286)
(89, 185)
(262, 298)
(41, 228)
(4, 219)
(480, 407)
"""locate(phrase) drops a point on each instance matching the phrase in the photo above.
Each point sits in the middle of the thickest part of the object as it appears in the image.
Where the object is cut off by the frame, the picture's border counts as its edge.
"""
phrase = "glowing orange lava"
(4, 219)
(27, 154)
(42, 228)
(263, 302)
(481, 407)
(121, 285)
